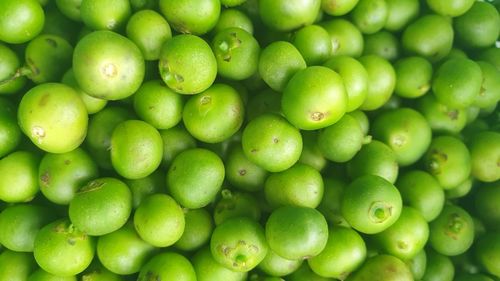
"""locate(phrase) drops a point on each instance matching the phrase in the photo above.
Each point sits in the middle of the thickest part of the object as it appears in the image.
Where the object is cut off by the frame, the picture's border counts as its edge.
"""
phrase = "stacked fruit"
(259, 140)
